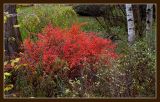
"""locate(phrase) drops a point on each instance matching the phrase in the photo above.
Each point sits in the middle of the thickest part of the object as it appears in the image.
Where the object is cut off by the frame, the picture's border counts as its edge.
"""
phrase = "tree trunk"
(130, 24)
(139, 24)
(149, 20)
(11, 33)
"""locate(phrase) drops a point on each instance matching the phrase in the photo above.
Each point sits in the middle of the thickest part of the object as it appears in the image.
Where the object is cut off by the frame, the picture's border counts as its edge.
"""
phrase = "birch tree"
(130, 23)
(131, 38)
(149, 20)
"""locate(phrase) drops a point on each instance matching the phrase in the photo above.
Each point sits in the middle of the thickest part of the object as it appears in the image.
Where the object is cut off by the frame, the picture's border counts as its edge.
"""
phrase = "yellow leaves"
(6, 74)
(19, 66)
(4, 19)
(17, 59)
(13, 62)
(16, 26)
(8, 87)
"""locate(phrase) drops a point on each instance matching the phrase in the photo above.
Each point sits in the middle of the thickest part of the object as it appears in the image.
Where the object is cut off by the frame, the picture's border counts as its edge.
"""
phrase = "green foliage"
(35, 83)
(92, 24)
(153, 36)
(139, 65)
(34, 19)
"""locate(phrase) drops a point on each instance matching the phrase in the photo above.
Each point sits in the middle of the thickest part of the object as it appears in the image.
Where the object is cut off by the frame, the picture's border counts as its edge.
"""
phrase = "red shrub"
(71, 45)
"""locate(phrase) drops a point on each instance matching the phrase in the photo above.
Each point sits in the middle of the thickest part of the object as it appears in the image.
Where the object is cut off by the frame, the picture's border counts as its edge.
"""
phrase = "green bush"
(34, 19)
(138, 66)
(21, 81)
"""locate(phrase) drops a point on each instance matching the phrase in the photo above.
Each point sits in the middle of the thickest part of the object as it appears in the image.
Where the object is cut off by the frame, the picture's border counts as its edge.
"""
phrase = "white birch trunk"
(130, 23)
(149, 20)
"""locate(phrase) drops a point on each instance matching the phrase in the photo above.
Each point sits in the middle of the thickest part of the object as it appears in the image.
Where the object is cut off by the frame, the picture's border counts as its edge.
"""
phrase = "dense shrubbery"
(60, 60)
(22, 81)
(71, 45)
(64, 54)
(138, 66)
(33, 20)
(72, 63)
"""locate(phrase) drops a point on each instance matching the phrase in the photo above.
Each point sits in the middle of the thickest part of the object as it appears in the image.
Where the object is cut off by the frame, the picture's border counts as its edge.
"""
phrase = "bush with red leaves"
(71, 45)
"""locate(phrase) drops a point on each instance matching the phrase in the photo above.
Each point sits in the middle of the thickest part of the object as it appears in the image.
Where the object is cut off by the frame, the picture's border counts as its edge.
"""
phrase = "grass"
(92, 25)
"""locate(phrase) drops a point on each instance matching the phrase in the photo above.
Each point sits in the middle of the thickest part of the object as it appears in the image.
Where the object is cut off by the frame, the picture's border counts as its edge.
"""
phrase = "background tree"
(149, 21)
(107, 16)
(130, 23)
(11, 31)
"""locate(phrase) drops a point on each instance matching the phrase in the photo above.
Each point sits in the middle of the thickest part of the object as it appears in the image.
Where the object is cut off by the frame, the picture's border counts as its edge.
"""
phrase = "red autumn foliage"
(71, 45)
